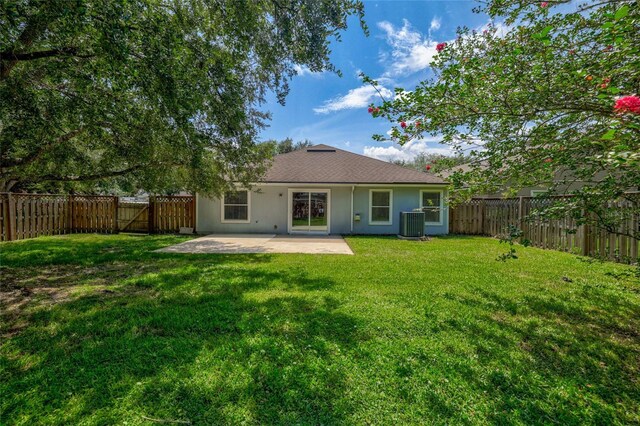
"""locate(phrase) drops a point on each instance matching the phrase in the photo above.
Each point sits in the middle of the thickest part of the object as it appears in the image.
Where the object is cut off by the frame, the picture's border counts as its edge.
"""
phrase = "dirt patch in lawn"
(22, 290)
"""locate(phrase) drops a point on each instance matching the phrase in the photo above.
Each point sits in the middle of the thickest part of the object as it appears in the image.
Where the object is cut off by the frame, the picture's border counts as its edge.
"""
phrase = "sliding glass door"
(310, 211)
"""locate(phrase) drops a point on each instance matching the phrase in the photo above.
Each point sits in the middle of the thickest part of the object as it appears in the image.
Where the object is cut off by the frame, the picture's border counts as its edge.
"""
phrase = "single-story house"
(326, 190)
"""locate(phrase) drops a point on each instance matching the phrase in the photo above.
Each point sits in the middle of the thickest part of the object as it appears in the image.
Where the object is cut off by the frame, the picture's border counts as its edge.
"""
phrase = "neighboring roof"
(326, 164)
(466, 167)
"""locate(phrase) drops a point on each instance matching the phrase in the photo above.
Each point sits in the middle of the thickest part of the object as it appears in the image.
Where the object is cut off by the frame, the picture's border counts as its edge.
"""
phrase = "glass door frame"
(309, 229)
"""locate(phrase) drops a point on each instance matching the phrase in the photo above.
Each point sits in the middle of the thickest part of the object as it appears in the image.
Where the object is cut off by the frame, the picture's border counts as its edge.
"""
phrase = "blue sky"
(332, 110)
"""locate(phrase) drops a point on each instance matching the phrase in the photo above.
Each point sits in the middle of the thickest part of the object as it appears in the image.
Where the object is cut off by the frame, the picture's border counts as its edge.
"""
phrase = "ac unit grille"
(412, 224)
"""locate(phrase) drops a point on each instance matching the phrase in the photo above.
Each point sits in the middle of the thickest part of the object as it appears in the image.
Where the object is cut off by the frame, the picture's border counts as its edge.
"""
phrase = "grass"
(101, 330)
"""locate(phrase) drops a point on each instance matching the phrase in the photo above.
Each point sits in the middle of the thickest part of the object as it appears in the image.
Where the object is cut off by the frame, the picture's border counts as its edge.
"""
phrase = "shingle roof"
(326, 164)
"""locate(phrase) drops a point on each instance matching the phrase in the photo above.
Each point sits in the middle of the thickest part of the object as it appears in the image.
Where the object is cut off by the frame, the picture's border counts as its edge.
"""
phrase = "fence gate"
(133, 217)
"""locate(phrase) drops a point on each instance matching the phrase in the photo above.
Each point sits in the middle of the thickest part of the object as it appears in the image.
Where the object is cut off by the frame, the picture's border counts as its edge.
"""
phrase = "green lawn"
(100, 330)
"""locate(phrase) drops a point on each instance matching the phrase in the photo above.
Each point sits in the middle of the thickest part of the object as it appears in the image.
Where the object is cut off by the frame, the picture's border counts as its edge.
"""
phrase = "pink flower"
(544, 4)
(547, 160)
(370, 110)
(428, 167)
(403, 124)
(628, 104)
(440, 46)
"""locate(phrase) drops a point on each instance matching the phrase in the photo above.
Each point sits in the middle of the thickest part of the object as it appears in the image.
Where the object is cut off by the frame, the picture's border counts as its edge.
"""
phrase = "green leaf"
(614, 90)
(609, 135)
(622, 12)
(546, 31)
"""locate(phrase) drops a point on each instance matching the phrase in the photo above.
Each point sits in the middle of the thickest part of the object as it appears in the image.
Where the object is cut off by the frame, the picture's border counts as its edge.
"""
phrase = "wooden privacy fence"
(168, 214)
(25, 216)
(492, 216)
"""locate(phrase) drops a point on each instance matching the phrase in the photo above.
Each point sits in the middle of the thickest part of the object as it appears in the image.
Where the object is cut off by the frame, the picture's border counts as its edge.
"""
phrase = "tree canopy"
(544, 95)
(152, 94)
(288, 145)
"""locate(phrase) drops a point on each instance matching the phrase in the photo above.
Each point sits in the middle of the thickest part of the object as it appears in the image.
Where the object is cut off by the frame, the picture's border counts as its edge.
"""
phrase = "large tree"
(546, 95)
(152, 93)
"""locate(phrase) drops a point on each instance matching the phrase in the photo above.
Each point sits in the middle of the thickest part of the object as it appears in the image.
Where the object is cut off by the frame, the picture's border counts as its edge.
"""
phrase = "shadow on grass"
(201, 343)
(585, 346)
(84, 249)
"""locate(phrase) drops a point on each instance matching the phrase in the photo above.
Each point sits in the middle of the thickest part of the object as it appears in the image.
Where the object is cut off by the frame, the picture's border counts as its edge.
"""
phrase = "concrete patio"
(259, 243)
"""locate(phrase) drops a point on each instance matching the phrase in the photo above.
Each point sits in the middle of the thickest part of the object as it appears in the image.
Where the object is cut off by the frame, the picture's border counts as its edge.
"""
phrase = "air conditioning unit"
(412, 224)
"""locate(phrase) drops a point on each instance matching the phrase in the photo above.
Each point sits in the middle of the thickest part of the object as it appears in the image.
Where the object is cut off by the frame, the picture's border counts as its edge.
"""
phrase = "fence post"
(116, 201)
(520, 201)
(5, 217)
(585, 241)
(520, 215)
(482, 212)
(586, 237)
(70, 221)
(11, 218)
(193, 213)
(152, 211)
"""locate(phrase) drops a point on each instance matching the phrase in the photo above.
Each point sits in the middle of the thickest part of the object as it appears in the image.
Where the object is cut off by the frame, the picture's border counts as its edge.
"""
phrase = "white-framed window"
(432, 204)
(380, 206)
(538, 192)
(236, 206)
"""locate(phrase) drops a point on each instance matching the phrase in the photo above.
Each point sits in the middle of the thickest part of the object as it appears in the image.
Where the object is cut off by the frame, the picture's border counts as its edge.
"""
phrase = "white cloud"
(356, 98)
(435, 24)
(408, 151)
(303, 70)
(411, 50)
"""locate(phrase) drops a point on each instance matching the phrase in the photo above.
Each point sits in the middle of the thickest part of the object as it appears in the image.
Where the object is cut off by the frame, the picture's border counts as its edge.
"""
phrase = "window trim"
(441, 206)
(223, 204)
(381, 223)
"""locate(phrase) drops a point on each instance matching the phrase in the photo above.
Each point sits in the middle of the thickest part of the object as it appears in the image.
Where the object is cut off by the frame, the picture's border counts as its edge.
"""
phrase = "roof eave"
(349, 183)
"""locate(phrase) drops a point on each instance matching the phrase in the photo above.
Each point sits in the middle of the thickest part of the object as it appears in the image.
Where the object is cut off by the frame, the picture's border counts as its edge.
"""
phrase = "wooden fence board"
(170, 213)
(484, 216)
(133, 217)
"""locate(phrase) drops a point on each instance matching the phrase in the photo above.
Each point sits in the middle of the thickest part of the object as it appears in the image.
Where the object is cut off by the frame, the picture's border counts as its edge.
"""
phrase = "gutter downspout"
(351, 221)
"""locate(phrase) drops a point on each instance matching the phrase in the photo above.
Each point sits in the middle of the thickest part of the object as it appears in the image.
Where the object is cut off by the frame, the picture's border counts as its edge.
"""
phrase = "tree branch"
(29, 56)
(104, 175)
(85, 178)
(38, 153)
(33, 29)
